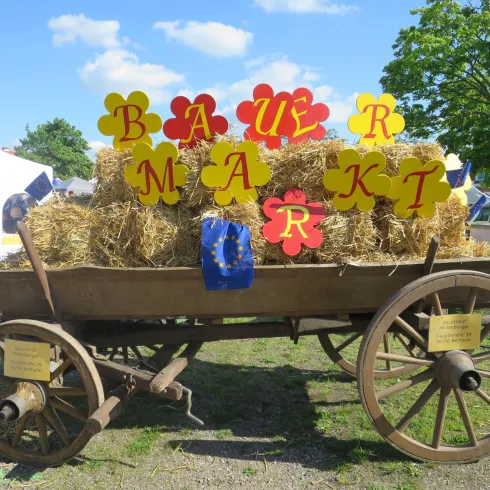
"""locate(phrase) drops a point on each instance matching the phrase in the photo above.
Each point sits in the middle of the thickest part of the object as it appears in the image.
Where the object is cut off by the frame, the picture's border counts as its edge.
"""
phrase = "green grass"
(249, 471)
(144, 442)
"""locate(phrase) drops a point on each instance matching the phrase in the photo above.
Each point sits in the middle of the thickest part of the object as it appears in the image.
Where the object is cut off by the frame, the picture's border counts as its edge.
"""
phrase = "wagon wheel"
(342, 349)
(52, 431)
(441, 412)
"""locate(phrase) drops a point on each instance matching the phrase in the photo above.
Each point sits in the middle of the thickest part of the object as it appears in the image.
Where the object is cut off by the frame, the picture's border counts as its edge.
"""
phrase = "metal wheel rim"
(379, 324)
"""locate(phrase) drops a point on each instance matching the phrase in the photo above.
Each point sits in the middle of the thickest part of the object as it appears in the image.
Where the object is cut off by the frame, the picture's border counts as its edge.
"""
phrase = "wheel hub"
(456, 369)
(27, 396)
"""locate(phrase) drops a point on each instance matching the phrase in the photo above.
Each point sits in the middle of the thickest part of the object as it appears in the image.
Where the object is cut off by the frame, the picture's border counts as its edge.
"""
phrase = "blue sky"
(60, 59)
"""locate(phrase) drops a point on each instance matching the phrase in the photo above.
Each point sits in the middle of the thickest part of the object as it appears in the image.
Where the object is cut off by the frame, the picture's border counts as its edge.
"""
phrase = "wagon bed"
(92, 317)
(97, 293)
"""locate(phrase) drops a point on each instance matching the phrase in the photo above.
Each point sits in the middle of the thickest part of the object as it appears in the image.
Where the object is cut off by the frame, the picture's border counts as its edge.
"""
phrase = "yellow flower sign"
(377, 122)
(418, 187)
(156, 174)
(357, 180)
(128, 121)
(453, 163)
(236, 172)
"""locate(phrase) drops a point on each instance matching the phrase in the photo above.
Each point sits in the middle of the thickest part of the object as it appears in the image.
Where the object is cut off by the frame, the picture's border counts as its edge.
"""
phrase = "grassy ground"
(277, 416)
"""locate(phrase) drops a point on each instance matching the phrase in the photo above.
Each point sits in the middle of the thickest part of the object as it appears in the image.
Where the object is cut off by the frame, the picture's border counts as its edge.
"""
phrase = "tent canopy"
(76, 185)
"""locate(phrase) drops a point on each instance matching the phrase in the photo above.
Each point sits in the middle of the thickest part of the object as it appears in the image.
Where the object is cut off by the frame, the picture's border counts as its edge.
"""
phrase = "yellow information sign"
(454, 332)
(27, 360)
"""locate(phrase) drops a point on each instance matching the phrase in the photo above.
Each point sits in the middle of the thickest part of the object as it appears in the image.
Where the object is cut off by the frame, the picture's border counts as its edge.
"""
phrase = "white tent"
(77, 185)
(15, 175)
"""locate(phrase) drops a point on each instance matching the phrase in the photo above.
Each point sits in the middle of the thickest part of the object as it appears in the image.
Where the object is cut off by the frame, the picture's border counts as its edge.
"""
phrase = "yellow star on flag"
(229, 266)
(213, 252)
(216, 261)
(221, 264)
(237, 241)
(240, 256)
(220, 239)
(235, 262)
(240, 248)
(233, 237)
(215, 245)
(227, 237)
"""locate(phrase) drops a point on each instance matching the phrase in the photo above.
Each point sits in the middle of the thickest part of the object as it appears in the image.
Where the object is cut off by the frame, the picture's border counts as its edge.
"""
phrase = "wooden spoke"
(466, 418)
(125, 355)
(405, 344)
(66, 391)
(484, 374)
(482, 356)
(484, 333)
(349, 341)
(43, 433)
(383, 356)
(436, 303)
(113, 353)
(418, 406)
(483, 395)
(403, 385)
(21, 425)
(135, 349)
(441, 415)
(386, 342)
(469, 304)
(67, 408)
(61, 368)
(408, 329)
(57, 424)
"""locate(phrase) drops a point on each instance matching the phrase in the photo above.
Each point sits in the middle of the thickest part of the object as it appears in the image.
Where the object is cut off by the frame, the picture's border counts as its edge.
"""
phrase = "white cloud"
(96, 145)
(211, 38)
(311, 77)
(70, 28)
(281, 74)
(306, 6)
(118, 70)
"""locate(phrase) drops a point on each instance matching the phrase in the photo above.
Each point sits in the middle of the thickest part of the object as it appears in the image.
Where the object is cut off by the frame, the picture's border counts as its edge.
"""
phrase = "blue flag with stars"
(227, 261)
(475, 209)
(457, 178)
(40, 187)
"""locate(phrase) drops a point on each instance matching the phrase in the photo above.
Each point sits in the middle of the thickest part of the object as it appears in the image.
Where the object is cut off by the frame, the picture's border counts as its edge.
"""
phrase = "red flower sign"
(293, 222)
(271, 116)
(194, 121)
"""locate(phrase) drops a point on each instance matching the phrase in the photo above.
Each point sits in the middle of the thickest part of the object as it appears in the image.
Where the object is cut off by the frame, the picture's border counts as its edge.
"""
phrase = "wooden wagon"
(88, 315)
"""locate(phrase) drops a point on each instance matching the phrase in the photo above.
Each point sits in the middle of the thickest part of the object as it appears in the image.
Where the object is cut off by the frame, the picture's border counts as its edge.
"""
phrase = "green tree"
(440, 76)
(60, 145)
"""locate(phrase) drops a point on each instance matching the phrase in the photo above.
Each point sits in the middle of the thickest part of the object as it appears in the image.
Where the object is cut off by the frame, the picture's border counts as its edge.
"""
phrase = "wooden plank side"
(102, 293)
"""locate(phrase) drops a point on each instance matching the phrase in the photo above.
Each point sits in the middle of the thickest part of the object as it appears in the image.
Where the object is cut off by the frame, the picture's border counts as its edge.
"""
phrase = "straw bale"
(348, 235)
(111, 186)
(132, 235)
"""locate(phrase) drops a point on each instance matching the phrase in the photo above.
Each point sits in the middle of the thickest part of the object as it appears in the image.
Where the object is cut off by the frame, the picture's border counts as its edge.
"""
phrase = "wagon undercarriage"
(87, 322)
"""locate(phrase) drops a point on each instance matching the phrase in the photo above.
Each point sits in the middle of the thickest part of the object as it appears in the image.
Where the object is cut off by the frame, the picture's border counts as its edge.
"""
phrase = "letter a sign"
(377, 122)
(293, 222)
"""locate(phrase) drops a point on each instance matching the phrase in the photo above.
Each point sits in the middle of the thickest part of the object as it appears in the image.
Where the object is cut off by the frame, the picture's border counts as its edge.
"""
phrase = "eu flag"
(40, 187)
(227, 261)
(475, 209)
(457, 178)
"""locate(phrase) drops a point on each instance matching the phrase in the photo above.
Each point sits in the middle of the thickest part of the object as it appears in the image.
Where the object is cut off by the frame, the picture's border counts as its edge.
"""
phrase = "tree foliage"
(60, 145)
(441, 77)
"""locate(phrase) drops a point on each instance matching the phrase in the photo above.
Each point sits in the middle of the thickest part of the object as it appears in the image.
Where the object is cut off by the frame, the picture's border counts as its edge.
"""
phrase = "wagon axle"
(456, 369)
(26, 396)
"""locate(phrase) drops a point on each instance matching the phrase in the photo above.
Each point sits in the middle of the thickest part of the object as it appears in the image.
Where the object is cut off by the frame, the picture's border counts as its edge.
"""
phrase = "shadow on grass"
(253, 403)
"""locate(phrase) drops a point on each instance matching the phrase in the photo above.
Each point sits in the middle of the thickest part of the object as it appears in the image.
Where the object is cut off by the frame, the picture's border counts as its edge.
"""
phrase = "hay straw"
(115, 230)
(111, 186)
